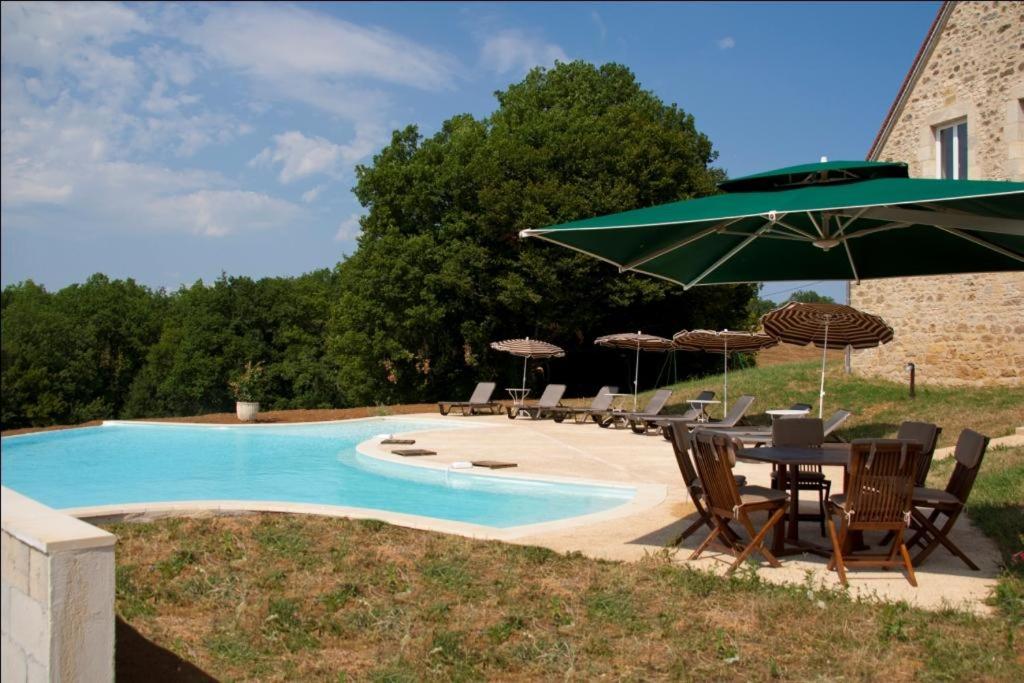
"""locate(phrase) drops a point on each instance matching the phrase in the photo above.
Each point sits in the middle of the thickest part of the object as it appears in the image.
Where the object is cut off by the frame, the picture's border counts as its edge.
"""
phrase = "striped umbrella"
(638, 341)
(722, 342)
(827, 326)
(528, 348)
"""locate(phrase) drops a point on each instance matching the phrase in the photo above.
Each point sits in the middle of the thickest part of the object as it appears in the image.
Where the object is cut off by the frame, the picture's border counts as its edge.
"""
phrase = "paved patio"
(662, 507)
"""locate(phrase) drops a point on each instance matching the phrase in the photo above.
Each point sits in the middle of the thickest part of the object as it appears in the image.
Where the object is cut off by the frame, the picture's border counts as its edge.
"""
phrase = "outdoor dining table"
(837, 455)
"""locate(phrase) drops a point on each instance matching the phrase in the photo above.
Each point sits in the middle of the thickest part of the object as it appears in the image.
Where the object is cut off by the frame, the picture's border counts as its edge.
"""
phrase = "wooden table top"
(831, 454)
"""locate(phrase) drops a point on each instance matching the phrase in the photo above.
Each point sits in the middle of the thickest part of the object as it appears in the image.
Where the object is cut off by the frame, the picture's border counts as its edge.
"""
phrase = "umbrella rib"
(849, 255)
(814, 222)
(677, 245)
(945, 219)
(729, 254)
(877, 228)
(798, 231)
(983, 243)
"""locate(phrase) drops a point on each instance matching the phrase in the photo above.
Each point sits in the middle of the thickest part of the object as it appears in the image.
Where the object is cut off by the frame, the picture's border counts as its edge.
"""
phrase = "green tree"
(807, 296)
(71, 356)
(439, 270)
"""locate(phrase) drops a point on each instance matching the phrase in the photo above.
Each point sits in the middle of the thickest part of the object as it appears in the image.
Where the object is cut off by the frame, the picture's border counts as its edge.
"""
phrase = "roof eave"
(925, 51)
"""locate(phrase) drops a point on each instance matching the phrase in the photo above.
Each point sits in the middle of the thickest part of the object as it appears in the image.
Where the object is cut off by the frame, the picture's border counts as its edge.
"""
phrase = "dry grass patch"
(275, 597)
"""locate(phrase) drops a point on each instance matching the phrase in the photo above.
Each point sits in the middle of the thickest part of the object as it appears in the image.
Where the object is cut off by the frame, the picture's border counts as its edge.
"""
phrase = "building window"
(951, 151)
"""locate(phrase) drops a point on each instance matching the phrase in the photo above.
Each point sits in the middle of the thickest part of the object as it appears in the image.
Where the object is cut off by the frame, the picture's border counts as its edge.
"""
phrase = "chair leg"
(692, 529)
(837, 553)
(911, 577)
(941, 536)
(707, 541)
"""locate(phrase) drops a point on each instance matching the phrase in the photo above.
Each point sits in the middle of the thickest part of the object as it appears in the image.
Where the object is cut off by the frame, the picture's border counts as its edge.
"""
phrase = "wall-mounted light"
(911, 368)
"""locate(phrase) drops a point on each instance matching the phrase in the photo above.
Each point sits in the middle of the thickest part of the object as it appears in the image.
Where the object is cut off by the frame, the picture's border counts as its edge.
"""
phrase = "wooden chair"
(803, 432)
(927, 435)
(970, 451)
(878, 498)
(715, 456)
(681, 445)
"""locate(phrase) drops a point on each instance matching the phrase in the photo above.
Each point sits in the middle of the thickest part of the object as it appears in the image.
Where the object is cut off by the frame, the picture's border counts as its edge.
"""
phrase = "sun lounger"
(480, 400)
(643, 425)
(638, 420)
(549, 400)
(601, 405)
(731, 419)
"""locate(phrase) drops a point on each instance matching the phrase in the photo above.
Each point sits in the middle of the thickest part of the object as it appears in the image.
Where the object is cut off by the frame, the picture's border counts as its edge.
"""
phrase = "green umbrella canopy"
(841, 220)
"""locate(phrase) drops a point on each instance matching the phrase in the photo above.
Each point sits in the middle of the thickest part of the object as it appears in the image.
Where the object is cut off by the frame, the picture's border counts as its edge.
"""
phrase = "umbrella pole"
(725, 399)
(821, 391)
(525, 359)
(636, 374)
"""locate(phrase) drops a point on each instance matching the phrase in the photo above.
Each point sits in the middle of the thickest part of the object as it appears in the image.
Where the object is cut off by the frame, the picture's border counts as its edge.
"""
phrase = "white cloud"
(311, 195)
(349, 228)
(726, 43)
(300, 156)
(512, 50)
(275, 42)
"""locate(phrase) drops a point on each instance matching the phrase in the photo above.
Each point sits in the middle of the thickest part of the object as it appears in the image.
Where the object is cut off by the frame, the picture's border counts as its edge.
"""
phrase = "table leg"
(793, 532)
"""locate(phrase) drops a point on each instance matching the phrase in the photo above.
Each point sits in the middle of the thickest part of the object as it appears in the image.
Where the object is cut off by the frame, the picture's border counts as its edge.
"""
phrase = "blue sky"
(170, 142)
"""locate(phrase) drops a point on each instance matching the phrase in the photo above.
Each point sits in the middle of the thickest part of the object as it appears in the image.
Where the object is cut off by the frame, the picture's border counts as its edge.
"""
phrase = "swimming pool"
(316, 463)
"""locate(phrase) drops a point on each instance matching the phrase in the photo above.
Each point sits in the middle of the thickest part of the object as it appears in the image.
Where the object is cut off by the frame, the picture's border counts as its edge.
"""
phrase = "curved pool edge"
(645, 495)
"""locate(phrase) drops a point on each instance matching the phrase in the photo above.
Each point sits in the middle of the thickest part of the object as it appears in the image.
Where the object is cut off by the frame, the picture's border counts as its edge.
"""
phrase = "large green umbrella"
(841, 220)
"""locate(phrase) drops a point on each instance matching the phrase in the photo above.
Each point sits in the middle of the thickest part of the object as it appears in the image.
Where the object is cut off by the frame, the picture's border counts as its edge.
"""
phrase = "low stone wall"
(58, 595)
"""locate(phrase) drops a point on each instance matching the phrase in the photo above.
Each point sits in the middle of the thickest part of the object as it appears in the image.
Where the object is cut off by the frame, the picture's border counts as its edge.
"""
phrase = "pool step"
(412, 452)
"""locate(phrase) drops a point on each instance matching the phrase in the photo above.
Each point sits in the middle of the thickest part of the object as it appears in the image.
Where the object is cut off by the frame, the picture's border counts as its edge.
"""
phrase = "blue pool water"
(296, 463)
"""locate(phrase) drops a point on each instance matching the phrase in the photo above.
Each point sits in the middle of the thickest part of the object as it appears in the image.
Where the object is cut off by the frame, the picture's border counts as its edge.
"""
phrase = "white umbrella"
(528, 348)
(827, 326)
(639, 341)
(722, 342)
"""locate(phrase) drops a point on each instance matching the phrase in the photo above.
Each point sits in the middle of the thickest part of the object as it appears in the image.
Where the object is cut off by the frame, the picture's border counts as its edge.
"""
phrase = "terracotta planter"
(247, 410)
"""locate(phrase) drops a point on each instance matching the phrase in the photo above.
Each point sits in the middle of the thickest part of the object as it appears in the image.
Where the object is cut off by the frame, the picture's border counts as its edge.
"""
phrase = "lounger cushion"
(752, 495)
(926, 497)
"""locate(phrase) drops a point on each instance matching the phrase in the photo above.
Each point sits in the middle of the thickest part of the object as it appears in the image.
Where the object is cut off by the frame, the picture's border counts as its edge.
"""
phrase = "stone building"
(958, 114)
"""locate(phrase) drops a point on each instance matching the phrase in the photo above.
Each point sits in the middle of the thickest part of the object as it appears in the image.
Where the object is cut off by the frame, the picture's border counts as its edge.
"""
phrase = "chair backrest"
(927, 435)
(836, 420)
(657, 402)
(801, 406)
(798, 432)
(969, 452)
(552, 395)
(681, 447)
(705, 395)
(603, 399)
(482, 393)
(881, 484)
(736, 413)
(715, 456)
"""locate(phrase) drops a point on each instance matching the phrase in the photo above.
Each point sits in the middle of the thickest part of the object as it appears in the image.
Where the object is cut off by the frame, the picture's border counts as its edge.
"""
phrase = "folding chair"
(970, 451)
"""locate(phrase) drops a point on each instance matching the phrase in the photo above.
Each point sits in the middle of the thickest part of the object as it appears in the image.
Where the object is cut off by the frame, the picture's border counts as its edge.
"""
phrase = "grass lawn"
(878, 406)
(277, 597)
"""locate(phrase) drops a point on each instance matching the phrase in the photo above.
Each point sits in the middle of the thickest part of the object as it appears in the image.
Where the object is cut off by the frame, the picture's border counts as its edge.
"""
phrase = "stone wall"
(962, 329)
(58, 595)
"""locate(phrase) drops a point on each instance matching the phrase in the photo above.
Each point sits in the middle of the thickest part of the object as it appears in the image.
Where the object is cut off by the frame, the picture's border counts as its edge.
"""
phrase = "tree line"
(438, 273)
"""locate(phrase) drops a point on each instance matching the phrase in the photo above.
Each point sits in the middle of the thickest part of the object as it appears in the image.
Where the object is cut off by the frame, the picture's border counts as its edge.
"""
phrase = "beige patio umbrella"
(722, 342)
(528, 348)
(827, 326)
(638, 341)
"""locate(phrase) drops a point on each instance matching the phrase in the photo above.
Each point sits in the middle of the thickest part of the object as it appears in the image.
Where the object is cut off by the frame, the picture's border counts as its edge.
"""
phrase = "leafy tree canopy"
(439, 271)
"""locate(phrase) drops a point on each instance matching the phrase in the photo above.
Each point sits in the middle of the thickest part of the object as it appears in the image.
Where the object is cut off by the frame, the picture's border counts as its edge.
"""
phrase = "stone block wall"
(960, 329)
(57, 588)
